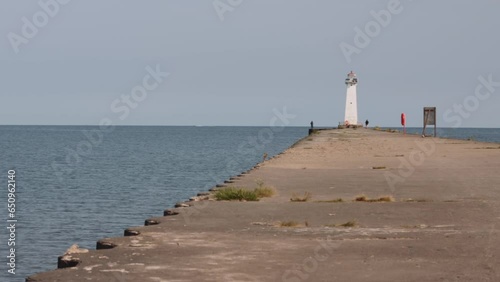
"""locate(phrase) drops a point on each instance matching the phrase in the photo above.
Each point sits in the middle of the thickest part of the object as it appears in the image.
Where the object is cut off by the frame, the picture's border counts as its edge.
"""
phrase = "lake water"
(476, 134)
(75, 185)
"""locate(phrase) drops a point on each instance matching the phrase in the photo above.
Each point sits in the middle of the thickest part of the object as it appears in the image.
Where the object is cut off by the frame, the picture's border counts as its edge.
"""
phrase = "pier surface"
(443, 224)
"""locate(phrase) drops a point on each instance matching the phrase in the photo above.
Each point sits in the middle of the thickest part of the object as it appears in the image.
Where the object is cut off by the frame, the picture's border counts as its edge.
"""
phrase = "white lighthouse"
(351, 104)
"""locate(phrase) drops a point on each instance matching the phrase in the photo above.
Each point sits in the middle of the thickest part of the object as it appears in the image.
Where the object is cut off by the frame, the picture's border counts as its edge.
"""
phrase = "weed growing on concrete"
(363, 198)
(243, 194)
(351, 223)
(235, 193)
(385, 199)
(305, 198)
(264, 192)
(289, 224)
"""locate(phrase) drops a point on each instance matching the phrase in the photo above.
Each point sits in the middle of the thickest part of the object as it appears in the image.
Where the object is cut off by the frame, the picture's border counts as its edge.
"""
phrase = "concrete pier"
(439, 220)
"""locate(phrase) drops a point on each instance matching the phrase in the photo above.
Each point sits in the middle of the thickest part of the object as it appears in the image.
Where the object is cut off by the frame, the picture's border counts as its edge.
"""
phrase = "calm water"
(477, 134)
(70, 190)
(134, 173)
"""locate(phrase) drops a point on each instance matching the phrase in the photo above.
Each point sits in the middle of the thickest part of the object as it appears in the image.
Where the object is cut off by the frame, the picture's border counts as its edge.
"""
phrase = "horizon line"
(173, 125)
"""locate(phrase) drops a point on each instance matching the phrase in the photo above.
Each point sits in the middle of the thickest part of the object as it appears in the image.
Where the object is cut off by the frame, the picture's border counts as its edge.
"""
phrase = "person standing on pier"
(366, 123)
(312, 124)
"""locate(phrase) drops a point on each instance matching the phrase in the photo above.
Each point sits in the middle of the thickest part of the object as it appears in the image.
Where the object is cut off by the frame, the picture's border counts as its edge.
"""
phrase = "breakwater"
(350, 205)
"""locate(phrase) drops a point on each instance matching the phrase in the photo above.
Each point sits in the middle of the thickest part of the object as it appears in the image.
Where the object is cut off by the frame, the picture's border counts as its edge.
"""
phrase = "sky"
(240, 62)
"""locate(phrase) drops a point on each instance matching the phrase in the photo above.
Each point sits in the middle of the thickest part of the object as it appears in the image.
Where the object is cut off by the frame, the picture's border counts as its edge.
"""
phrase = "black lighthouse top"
(351, 79)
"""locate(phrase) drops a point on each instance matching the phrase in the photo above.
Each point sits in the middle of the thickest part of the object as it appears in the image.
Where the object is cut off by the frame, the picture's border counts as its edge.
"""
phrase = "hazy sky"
(231, 62)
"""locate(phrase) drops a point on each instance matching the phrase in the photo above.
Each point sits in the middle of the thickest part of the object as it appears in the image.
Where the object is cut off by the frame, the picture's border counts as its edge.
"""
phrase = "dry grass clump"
(388, 199)
(289, 223)
(264, 192)
(351, 223)
(306, 197)
(363, 198)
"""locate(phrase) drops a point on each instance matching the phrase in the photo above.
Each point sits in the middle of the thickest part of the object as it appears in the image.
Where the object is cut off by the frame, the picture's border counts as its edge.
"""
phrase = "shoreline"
(305, 164)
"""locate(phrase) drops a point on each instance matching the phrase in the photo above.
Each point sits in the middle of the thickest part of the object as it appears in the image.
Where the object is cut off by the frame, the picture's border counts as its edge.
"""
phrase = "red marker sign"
(403, 122)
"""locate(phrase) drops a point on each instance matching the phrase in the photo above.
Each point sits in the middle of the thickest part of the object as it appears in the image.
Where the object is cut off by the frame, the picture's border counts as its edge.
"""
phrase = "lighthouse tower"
(351, 104)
